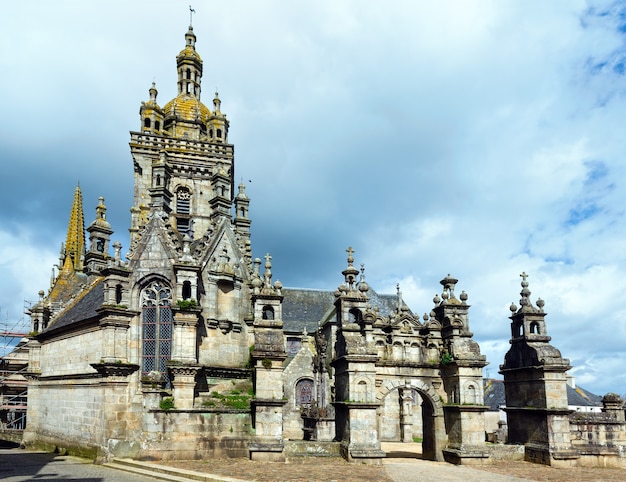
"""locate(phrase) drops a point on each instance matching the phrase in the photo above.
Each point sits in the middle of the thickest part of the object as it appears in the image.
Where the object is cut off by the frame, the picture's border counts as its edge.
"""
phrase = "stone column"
(184, 335)
(406, 425)
(268, 355)
(613, 405)
(183, 384)
(115, 322)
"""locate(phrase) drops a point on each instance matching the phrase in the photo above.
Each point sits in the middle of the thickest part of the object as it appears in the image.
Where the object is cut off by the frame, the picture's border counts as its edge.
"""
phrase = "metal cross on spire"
(191, 12)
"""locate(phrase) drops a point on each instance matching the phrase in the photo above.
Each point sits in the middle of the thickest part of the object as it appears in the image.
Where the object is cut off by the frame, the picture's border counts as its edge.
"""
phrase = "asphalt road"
(18, 465)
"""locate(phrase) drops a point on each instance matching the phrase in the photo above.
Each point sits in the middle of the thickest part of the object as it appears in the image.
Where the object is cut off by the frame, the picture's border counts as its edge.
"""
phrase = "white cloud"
(26, 268)
(480, 139)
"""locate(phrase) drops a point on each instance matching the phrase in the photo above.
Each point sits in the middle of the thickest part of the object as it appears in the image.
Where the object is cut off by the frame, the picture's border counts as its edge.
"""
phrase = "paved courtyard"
(402, 466)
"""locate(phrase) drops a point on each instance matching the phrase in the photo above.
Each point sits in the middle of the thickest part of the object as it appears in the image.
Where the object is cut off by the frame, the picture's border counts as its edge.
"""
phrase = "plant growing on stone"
(186, 304)
(446, 359)
(167, 404)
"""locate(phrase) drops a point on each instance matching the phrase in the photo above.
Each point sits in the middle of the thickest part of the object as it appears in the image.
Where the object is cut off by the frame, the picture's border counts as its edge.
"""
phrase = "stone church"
(188, 347)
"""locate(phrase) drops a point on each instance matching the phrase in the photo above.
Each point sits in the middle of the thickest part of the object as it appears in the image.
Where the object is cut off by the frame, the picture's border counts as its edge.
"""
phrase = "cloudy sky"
(477, 138)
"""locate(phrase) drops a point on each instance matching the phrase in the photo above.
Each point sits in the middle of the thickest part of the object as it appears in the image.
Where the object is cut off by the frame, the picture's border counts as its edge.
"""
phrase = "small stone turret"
(355, 372)
(99, 237)
(535, 386)
(268, 356)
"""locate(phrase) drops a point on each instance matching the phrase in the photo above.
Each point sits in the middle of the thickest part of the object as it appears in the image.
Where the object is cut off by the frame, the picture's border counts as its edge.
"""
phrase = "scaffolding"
(13, 367)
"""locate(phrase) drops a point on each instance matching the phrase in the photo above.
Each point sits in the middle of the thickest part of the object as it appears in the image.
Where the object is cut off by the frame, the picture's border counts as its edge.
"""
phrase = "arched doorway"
(412, 413)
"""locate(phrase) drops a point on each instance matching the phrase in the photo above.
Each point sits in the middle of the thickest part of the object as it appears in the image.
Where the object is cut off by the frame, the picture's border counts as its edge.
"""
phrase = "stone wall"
(66, 415)
(71, 355)
(298, 368)
(193, 434)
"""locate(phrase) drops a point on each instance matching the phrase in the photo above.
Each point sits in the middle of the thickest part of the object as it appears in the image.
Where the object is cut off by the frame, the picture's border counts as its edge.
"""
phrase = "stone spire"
(71, 273)
(74, 250)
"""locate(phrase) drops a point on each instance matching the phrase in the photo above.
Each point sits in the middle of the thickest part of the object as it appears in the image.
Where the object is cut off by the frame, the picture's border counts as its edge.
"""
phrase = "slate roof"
(305, 308)
(83, 308)
(494, 394)
(302, 308)
(579, 397)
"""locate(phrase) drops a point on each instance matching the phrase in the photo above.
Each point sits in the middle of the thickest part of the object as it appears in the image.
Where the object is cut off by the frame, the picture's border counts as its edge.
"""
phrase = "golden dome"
(187, 107)
(189, 52)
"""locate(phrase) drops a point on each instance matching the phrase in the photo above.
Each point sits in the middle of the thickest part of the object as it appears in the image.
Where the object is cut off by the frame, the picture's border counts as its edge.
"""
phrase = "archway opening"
(407, 424)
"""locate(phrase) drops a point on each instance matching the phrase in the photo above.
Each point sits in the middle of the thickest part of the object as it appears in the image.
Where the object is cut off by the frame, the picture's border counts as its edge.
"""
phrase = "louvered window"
(183, 209)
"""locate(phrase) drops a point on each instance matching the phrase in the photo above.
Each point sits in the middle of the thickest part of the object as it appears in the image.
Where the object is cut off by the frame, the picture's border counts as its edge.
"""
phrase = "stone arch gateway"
(433, 422)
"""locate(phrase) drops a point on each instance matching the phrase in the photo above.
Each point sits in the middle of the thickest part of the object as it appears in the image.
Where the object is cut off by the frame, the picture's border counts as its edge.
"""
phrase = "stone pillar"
(115, 322)
(34, 356)
(460, 365)
(613, 405)
(355, 360)
(268, 355)
(406, 425)
(183, 384)
(267, 444)
(184, 335)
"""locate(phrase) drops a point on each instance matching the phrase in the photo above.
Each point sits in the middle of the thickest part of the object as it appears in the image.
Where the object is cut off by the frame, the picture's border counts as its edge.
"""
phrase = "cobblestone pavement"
(397, 468)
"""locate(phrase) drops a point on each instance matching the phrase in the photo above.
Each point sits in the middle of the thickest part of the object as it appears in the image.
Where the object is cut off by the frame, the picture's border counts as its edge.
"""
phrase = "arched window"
(219, 133)
(534, 328)
(189, 73)
(210, 133)
(146, 122)
(361, 391)
(268, 313)
(304, 392)
(157, 125)
(472, 395)
(355, 316)
(156, 342)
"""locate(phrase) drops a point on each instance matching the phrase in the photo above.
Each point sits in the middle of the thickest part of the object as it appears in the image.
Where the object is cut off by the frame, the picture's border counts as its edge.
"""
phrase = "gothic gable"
(155, 251)
(220, 255)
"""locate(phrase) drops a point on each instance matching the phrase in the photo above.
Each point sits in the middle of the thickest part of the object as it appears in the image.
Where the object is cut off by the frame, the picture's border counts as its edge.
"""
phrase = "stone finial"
(448, 287)
(186, 257)
(267, 276)
(525, 302)
(540, 304)
(399, 297)
(463, 296)
(350, 273)
(217, 103)
(153, 93)
(117, 252)
(256, 282)
(241, 193)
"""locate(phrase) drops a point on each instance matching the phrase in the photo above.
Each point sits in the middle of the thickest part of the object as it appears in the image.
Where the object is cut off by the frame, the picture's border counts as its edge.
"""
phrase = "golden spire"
(75, 242)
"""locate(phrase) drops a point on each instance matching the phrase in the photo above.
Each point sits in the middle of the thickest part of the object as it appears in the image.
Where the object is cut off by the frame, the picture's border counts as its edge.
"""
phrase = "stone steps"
(163, 472)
